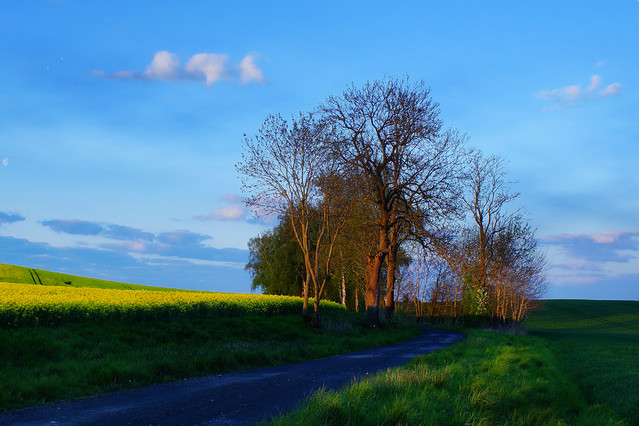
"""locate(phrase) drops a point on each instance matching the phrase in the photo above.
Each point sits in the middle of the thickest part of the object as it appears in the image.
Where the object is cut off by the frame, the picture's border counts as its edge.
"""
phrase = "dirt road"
(228, 399)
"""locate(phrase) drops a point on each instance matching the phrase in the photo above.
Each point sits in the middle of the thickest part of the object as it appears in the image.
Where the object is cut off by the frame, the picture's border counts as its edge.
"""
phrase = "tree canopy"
(373, 173)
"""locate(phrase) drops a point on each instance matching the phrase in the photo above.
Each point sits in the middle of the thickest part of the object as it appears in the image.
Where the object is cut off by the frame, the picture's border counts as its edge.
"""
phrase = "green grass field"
(597, 343)
(22, 275)
(579, 365)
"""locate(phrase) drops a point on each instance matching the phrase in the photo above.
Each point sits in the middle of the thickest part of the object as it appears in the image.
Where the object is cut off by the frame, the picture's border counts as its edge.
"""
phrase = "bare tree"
(518, 271)
(496, 255)
(388, 133)
(288, 171)
(486, 200)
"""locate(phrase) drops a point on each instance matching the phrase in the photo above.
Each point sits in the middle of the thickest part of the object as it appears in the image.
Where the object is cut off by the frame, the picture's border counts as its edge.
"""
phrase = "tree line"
(379, 203)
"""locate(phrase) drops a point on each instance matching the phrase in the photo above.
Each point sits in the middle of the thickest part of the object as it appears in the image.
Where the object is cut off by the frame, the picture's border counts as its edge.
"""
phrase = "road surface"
(232, 398)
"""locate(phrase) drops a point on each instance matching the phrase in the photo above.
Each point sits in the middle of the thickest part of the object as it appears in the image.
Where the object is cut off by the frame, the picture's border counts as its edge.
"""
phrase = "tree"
(388, 133)
(486, 200)
(495, 255)
(276, 262)
(289, 171)
(519, 271)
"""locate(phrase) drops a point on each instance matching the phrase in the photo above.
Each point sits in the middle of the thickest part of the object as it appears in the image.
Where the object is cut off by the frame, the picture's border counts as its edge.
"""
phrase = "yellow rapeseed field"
(28, 304)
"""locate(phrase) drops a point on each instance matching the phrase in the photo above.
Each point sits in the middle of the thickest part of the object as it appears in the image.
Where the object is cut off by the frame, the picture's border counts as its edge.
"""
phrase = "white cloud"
(610, 237)
(235, 212)
(165, 66)
(207, 67)
(611, 90)
(565, 96)
(569, 96)
(595, 81)
(595, 260)
(230, 213)
(124, 75)
(232, 198)
(5, 161)
(211, 66)
(249, 70)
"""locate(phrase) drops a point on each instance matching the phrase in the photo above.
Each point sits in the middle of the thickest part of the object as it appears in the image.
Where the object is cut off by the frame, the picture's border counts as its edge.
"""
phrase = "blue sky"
(121, 122)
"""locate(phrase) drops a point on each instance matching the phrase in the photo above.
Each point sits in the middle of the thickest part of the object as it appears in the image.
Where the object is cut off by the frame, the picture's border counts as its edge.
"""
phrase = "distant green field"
(600, 318)
(598, 344)
(22, 275)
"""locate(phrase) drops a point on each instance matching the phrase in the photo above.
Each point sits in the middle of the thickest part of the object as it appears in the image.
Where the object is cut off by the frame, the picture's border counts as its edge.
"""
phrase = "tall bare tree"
(486, 199)
(288, 171)
(388, 133)
(496, 255)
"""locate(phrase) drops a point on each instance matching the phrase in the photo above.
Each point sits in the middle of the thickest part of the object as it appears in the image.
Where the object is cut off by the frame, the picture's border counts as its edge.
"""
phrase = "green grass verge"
(597, 343)
(488, 379)
(41, 364)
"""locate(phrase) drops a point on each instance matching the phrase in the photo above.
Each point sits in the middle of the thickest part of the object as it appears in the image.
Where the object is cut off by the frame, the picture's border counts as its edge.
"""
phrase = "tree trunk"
(305, 316)
(343, 292)
(373, 270)
(391, 263)
(317, 322)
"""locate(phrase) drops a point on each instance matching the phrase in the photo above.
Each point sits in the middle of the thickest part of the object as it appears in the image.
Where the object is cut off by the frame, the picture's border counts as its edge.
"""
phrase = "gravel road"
(228, 399)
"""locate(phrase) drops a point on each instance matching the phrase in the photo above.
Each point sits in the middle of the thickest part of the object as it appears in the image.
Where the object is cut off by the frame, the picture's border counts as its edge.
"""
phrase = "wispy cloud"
(73, 226)
(601, 260)
(183, 244)
(249, 71)
(107, 230)
(207, 67)
(572, 95)
(611, 246)
(611, 90)
(595, 82)
(10, 218)
(236, 211)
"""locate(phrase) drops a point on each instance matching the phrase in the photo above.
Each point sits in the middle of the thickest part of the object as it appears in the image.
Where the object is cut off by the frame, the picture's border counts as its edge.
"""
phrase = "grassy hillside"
(598, 345)
(22, 275)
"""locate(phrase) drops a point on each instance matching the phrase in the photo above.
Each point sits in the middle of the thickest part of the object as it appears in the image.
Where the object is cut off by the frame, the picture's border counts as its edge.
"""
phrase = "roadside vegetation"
(578, 365)
(490, 378)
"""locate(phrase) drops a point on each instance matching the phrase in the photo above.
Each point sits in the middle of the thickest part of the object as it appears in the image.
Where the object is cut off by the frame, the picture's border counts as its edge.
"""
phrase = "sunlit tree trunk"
(305, 303)
(373, 270)
(343, 292)
(391, 262)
